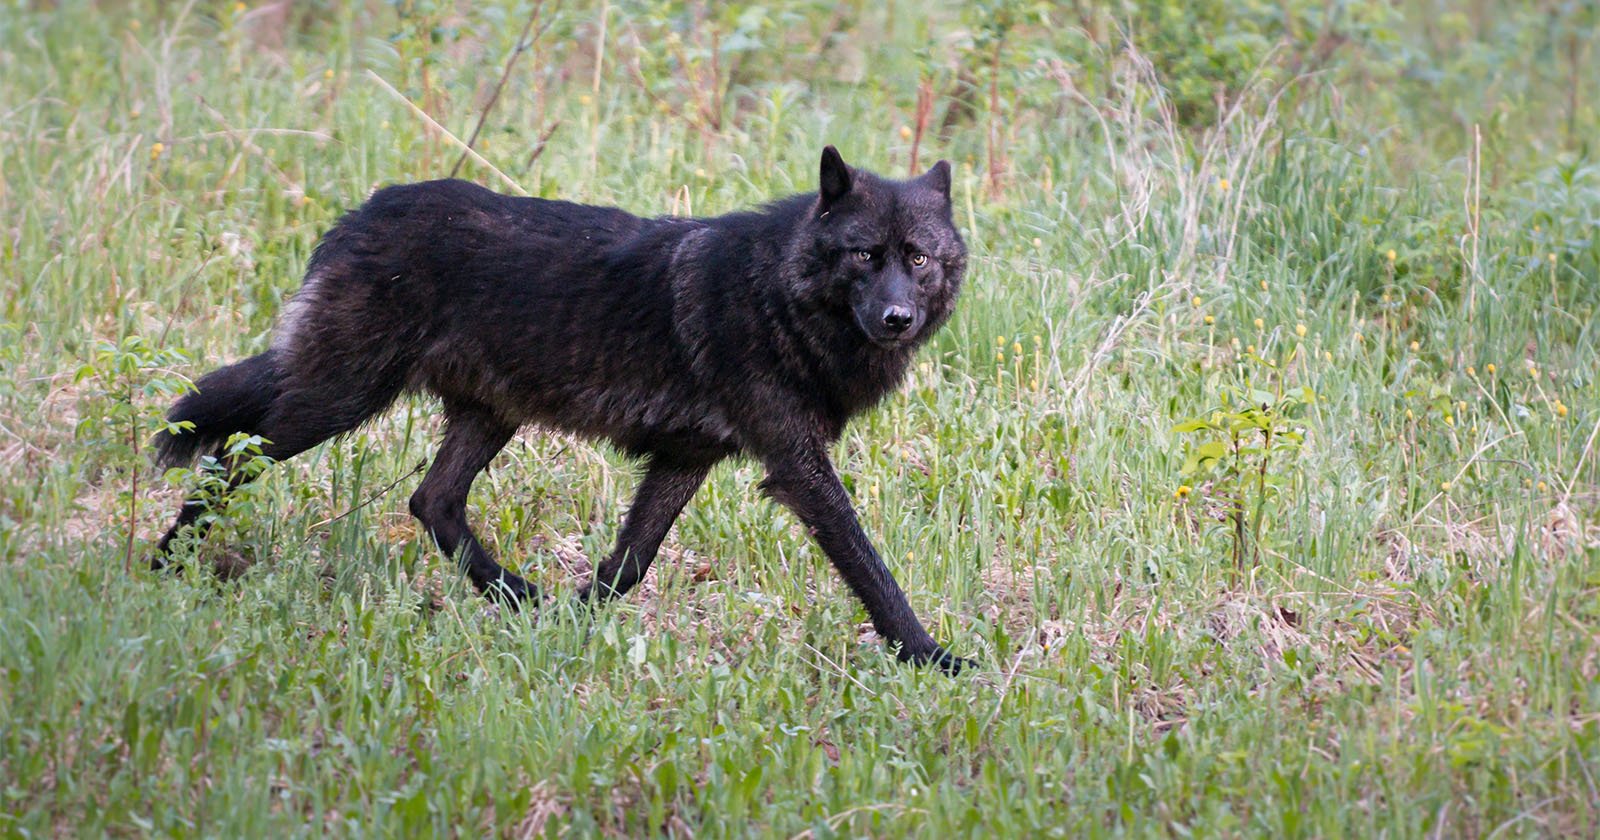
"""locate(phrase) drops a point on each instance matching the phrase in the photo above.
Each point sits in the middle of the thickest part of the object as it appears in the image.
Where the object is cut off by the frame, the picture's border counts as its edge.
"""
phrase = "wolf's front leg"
(804, 481)
(666, 488)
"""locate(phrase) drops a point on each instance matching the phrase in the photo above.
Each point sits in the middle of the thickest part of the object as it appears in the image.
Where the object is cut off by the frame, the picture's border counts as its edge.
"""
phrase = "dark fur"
(682, 341)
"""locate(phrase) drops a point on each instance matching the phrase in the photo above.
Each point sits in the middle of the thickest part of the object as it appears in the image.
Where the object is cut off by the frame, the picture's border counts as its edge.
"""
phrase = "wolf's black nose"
(897, 318)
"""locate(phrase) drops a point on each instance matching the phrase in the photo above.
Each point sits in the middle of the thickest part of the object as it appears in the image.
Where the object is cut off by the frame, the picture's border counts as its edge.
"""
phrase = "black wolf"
(682, 341)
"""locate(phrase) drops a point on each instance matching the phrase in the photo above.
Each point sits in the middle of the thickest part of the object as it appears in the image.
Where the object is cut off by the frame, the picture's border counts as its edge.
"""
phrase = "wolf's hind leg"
(666, 488)
(472, 438)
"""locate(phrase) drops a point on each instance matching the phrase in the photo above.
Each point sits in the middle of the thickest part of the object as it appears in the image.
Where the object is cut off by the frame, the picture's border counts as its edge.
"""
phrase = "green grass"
(1399, 659)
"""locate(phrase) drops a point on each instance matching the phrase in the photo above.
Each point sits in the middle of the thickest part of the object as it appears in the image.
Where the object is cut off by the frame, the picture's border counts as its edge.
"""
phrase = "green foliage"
(1245, 447)
(124, 384)
(214, 481)
(1410, 653)
(1207, 53)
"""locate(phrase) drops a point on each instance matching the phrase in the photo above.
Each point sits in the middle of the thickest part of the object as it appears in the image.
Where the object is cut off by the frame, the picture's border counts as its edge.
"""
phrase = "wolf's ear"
(835, 176)
(938, 178)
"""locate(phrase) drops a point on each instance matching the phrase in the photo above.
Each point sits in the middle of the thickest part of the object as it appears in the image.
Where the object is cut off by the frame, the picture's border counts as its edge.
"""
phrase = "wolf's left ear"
(835, 176)
(938, 178)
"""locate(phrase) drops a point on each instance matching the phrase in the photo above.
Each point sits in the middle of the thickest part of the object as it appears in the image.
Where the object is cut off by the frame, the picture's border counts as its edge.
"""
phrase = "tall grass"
(1411, 652)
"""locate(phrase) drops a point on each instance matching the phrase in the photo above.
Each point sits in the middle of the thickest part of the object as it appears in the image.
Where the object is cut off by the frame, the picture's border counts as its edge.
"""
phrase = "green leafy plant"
(216, 479)
(1245, 447)
(122, 384)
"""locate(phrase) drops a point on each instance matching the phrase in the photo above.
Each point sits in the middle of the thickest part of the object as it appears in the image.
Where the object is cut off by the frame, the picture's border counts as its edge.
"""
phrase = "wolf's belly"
(638, 418)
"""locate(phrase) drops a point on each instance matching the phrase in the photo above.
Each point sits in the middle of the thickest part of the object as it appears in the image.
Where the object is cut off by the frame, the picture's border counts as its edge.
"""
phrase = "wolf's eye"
(864, 256)
(919, 260)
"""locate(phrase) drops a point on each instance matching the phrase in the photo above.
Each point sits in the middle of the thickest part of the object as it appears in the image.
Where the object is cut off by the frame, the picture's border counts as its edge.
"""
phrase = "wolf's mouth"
(891, 342)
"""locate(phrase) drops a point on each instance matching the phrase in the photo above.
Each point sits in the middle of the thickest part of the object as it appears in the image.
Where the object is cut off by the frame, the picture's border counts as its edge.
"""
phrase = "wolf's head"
(887, 251)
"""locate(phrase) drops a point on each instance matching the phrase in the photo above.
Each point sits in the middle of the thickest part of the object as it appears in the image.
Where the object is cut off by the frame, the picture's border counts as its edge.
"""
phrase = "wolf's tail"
(230, 399)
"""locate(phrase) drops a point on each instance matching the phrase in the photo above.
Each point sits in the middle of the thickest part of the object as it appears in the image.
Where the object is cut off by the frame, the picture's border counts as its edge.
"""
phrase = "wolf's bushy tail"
(230, 399)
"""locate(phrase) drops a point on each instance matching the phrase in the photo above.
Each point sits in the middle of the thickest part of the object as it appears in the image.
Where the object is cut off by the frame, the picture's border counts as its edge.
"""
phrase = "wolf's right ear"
(835, 177)
(938, 178)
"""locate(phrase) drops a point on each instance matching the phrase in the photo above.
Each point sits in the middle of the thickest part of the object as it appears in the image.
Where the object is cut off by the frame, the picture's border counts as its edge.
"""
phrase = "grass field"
(1370, 608)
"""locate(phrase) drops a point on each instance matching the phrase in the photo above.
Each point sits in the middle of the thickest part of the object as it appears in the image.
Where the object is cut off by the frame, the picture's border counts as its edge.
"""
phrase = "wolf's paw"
(939, 658)
(597, 593)
(511, 592)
